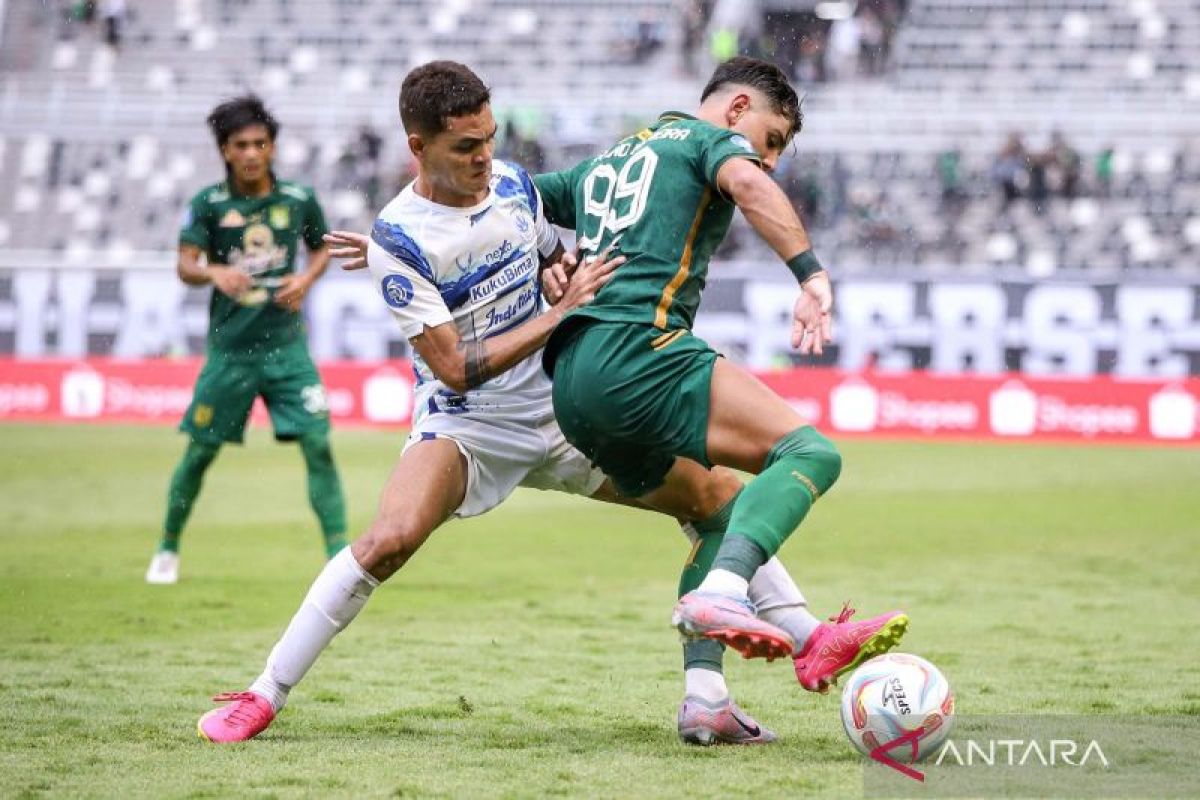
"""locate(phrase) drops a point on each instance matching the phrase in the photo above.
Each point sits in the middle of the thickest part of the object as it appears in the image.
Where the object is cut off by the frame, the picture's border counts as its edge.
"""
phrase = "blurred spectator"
(1038, 165)
(113, 12)
(1065, 163)
(691, 17)
(873, 216)
(870, 42)
(735, 27)
(359, 165)
(949, 171)
(1104, 172)
(795, 41)
(370, 148)
(521, 149)
(82, 10)
(639, 39)
(1009, 169)
(843, 51)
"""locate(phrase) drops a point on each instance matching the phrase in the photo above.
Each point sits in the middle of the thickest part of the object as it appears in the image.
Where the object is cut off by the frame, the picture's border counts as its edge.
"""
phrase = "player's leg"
(325, 489)
(424, 489)
(299, 408)
(751, 428)
(220, 405)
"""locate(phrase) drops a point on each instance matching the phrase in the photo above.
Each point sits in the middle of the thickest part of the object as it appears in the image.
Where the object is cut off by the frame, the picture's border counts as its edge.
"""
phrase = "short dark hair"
(766, 78)
(238, 113)
(434, 92)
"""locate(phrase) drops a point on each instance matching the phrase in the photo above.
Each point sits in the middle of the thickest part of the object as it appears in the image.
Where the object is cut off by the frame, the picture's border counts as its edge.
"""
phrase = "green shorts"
(632, 398)
(286, 379)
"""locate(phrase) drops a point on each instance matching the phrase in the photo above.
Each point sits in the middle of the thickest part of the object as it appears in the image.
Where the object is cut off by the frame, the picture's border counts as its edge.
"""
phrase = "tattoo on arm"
(477, 369)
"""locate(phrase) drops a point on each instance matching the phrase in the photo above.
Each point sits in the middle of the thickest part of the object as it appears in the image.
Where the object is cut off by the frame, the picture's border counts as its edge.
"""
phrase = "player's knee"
(393, 537)
(818, 459)
(316, 448)
(200, 454)
(719, 490)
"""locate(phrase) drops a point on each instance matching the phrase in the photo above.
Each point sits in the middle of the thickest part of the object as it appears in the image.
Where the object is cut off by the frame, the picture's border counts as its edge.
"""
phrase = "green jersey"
(259, 236)
(653, 196)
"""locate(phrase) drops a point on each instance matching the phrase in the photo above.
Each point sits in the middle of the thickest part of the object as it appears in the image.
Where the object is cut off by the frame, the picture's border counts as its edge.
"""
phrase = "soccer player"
(635, 390)
(458, 257)
(241, 236)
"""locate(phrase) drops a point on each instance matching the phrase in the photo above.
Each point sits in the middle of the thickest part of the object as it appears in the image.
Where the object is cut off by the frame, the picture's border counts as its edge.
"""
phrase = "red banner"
(871, 403)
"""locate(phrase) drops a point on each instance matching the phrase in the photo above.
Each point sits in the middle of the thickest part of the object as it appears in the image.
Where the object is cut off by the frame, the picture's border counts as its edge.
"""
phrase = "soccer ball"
(895, 694)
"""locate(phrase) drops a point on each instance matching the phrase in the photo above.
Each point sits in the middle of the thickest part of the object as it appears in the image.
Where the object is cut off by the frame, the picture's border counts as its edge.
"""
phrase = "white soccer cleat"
(164, 568)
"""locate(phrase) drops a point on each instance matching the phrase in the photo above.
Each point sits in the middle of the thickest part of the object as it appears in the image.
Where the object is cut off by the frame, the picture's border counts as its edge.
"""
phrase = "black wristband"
(804, 266)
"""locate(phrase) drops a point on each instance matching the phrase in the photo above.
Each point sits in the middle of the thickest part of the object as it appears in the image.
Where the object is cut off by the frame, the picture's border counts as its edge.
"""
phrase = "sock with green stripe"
(184, 488)
(325, 490)
(800, 468)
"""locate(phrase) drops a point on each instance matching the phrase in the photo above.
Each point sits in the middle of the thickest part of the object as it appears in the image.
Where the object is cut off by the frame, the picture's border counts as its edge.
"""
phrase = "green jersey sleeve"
(195, 226)
(558, 195)
(718, 148)
(314, 226)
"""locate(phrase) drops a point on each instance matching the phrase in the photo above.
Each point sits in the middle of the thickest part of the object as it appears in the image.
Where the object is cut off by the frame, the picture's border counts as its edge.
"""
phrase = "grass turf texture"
(527, 653)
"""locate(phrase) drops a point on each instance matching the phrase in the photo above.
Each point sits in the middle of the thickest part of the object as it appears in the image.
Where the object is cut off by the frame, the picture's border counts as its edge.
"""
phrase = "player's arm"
(191, 265)
(770, 213)
(193, 271)
(293, 288)
(464, 365)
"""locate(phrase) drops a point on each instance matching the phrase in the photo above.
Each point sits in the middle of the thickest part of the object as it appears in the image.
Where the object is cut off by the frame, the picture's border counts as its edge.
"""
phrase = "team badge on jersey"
(232, 219)
(280, 217)
(202, 416)
(742, 142)
(397, 290)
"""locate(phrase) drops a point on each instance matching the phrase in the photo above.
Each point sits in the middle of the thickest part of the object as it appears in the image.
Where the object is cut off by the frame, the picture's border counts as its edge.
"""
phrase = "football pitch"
(527, 653)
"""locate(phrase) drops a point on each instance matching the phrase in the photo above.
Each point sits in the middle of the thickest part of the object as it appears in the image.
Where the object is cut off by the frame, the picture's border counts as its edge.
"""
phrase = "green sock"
(185, 486)
(704, 653)
(800, 468)
(325, 490)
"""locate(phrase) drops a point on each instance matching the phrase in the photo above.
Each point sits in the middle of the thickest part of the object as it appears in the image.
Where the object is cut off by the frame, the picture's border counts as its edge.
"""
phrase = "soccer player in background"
(635, 390)
(458, 256)
(241, 236)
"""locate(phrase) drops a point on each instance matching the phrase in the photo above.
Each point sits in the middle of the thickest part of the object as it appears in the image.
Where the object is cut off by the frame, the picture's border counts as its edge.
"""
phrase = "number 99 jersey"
(654, 198)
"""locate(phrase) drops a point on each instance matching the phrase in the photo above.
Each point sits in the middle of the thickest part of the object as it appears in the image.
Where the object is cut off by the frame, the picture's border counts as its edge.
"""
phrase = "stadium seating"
(109, 145)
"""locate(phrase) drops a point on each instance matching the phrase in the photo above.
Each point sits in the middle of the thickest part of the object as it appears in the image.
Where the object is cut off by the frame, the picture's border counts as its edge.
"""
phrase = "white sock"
(722, 581)
(706, 684)
(336, 597)
(780, 602)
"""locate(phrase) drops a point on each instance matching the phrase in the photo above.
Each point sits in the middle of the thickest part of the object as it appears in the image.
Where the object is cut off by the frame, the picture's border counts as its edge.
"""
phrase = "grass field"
(527, 653)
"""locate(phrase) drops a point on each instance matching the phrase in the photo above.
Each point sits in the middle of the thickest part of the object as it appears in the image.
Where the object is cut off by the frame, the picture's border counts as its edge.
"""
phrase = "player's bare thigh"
(690, 493)
(427, 484)
(745, 418)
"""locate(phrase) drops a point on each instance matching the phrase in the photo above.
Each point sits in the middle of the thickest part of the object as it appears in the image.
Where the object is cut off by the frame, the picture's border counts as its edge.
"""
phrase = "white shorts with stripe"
(502, 454)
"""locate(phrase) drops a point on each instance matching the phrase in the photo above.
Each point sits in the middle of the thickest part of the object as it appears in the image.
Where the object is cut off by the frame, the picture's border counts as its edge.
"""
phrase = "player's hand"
(812, 319)
(350, 246)
(229, 281)
(588, 278)
(291, 292)
(557, 277)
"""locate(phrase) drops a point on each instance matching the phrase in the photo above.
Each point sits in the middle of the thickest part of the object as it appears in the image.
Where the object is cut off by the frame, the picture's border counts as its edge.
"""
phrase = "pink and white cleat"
(834, 649)
(714, 616)
(247, 715)
(703, 723)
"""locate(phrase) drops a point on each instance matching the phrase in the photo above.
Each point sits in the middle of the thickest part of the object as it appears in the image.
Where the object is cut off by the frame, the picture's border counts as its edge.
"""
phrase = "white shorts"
(503, 454)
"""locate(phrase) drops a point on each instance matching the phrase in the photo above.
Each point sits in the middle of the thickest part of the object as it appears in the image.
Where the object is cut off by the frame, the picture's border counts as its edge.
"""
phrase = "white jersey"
(477, 267)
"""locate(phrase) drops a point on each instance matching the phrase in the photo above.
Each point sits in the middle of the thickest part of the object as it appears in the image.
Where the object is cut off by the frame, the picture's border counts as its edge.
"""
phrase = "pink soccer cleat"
(247, 715)
(703, 723)
(833, 650)
(732, 621)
